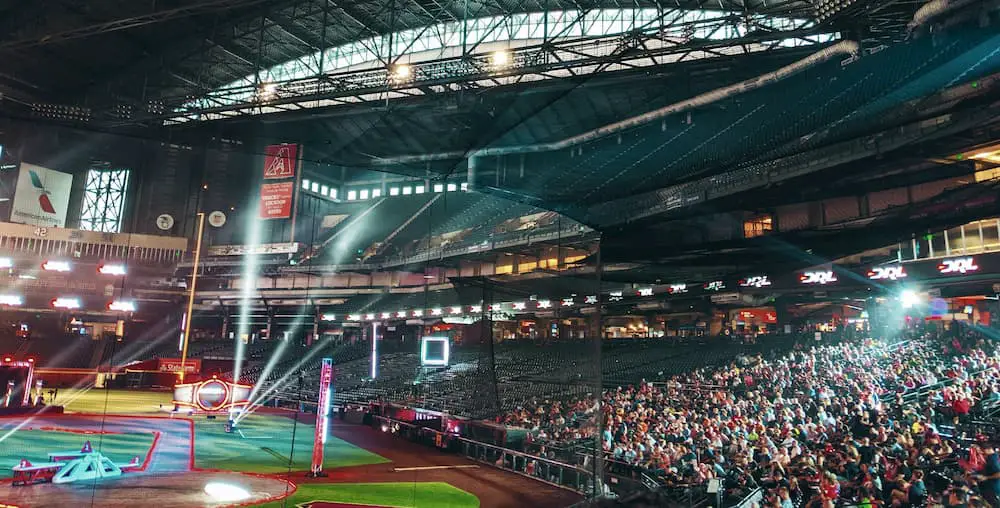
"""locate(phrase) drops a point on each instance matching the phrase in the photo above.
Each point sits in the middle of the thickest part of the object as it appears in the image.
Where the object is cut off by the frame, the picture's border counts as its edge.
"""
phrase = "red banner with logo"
(191, 366)
(276, 200)
(280, 161)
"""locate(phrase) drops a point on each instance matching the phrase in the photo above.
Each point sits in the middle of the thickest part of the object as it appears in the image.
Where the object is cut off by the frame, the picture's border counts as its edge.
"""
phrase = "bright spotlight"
(401, 72)
(6, 263)
(56, 266)
(112, 270)
(11, 300)
(500, 58)
(122, 306)
(226, 493)
(66, 303)
(909, 298)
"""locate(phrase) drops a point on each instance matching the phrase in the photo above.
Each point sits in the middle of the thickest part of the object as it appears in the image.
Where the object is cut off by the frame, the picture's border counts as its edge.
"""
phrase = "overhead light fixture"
(66, 303)
(11, 300)
(386, 315)
(456, 310)
(328, 317)
(436, 312)
(354, 317)
(57, 266)
(518, 305)
(544, 304)
(500, 58)
(401, 314)
(400, 72)
(122, 306)
(112, 270)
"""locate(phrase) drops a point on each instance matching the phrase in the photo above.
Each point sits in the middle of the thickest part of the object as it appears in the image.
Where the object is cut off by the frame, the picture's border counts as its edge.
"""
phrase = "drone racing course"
(119, 446)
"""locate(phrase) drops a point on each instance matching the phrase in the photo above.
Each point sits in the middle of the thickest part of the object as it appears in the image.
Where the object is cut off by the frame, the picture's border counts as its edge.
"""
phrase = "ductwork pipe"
(839, 49)
(934, 9)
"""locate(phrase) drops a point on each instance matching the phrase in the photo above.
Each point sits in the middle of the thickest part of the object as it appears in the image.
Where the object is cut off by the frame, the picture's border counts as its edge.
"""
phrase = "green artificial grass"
(263, 444)
(398, 495)
(100, 401)
(35, 445)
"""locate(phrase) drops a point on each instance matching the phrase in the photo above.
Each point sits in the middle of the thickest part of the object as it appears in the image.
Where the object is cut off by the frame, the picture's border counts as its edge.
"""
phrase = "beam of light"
(32, 417)
(261, 397)
(278, 353)
(249, 285)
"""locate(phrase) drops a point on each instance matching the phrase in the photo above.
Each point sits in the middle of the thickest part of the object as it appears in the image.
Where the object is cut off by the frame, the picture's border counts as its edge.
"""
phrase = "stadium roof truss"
(482, 52)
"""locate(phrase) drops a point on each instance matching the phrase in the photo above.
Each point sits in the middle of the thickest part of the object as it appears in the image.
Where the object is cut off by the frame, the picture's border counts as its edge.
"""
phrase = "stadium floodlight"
(328, 317)
(519, 305)
(500, 58)
(591, 299)
(401, 314)
(418, 313)
(475, 308)
(400, 72)
(11, 300)
(354, 317)
(386, 315)
(567, 302)
(370, 316)
(456, 310)
(116, 269)
(544, 304)
(122, 306)
(64, 302)
(429, 359)
(57, 266)
(6, 263)
(436, 311)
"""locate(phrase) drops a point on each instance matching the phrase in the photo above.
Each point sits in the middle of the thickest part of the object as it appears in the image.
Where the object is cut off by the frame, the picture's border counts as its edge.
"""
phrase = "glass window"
(420, 189)
(333, 193)
(394, 191)
(305, 184)
(104, 196)
(364, 193)
(325, 190)
(376, 193)
(315, 186)
(465, 186)
(352, 195)
(407, 190)
(991, 234)
(452, 187)
(439, 187)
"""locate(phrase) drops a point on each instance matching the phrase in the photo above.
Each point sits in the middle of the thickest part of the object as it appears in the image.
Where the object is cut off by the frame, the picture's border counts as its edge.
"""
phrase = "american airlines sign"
(887, 273)
(958, 265)
(820, 277)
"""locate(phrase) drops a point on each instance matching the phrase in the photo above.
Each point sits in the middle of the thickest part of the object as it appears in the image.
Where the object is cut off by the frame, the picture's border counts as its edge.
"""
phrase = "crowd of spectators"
(864, 424)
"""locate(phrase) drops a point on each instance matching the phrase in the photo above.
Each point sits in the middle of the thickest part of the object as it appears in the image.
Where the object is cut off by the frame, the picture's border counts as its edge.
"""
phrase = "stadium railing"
(541, 469)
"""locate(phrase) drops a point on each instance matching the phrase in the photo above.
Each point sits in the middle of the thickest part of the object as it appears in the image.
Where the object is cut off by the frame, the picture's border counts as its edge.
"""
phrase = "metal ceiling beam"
(561, 58)
(211, 6)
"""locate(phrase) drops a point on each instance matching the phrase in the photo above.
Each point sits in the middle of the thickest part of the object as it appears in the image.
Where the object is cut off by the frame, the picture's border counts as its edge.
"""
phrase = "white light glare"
(6, 263)
(11, 300)
(112, 270)
(909, 298)
(66, 303)
(57, 266)
(122, 306)
(456, 310)
(500, 58)
(328, 317)
(226, 493)
(401, 72)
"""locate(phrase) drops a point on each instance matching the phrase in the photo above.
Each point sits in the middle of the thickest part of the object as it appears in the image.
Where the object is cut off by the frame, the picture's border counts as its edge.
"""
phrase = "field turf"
(397, 495)
(261, 444)
(35, 445)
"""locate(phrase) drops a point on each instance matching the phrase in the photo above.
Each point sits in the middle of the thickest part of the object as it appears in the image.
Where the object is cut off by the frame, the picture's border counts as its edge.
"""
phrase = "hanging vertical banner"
(322, 415)
(41, 196)
(276, 200)
(280, 160)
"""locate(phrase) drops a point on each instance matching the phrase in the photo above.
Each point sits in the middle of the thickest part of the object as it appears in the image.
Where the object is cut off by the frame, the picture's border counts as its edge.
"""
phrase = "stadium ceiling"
(124, 62)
